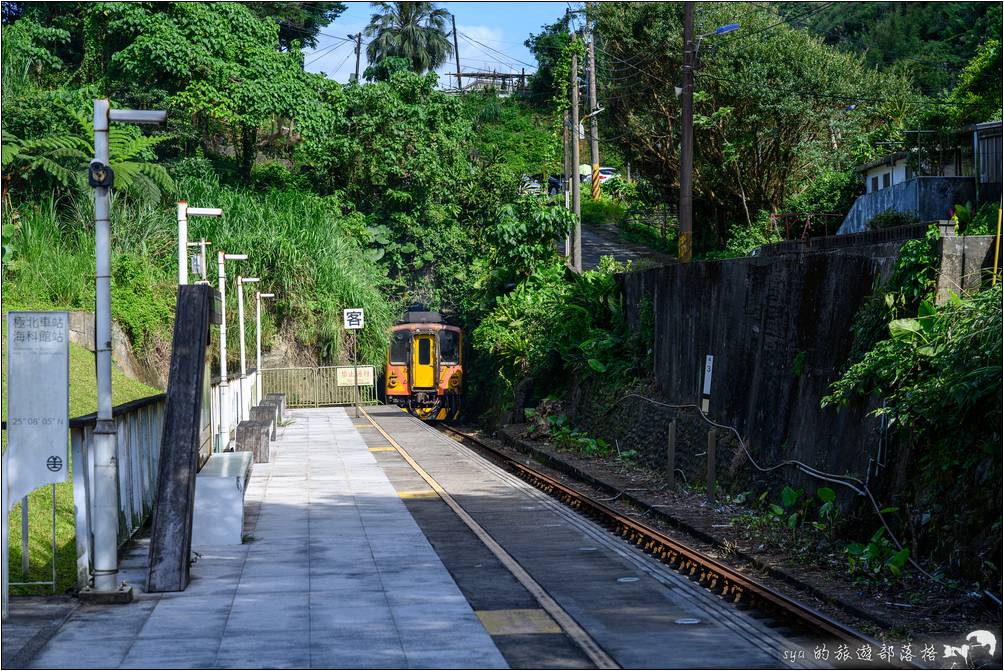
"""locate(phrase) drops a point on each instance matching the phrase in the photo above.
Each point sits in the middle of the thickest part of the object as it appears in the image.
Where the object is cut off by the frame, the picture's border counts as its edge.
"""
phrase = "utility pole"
(576, 205)
(359, 46)
(686, 242)
(566, 183)
(594, 132)
(456, 51)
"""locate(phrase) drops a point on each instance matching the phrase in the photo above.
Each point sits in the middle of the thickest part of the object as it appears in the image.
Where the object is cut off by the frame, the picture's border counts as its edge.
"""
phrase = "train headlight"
(454, 380)
(392, 381)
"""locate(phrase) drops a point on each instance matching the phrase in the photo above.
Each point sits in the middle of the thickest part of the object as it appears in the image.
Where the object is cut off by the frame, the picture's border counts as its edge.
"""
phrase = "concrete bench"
(219, 499)
(280, 400)
(253, 436)
(266, 413)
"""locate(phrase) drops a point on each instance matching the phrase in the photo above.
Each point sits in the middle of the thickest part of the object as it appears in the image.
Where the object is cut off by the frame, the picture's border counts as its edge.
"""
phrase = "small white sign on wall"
(709, 366)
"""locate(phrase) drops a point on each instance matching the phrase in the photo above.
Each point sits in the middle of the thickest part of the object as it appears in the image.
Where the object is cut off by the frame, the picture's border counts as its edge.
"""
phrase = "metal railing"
(243, 396)
(139, 425)
(657, 221)
(315, 387)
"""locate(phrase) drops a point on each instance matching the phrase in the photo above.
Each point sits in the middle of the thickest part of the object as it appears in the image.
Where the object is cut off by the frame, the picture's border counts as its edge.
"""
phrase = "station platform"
(378, 542)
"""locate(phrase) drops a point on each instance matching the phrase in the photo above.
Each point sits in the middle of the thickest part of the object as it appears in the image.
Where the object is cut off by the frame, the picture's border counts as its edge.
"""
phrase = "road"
(605, 241)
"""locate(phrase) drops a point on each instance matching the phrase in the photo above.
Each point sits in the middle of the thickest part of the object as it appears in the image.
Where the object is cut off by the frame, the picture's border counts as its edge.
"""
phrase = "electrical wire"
(504, 55)
(844, 480)
(326, 52)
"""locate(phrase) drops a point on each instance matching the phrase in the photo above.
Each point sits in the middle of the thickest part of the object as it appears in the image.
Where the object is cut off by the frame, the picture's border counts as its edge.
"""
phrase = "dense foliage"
(929, 41)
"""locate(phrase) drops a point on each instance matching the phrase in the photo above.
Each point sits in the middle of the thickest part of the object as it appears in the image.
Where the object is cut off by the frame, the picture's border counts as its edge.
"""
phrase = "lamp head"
(721, 30)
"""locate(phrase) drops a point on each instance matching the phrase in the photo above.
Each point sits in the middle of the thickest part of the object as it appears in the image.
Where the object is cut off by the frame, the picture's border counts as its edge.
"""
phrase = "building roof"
(888, 159)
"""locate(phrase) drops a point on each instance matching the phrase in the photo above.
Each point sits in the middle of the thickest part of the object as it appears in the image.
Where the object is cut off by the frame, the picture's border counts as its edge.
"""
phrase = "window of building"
(886, 178)
(875, 183)
(399, 347)
(449, 347)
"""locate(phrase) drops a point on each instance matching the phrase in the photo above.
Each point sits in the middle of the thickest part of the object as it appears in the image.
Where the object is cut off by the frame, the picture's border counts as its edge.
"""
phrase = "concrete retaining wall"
(779, 331)
(929, 198)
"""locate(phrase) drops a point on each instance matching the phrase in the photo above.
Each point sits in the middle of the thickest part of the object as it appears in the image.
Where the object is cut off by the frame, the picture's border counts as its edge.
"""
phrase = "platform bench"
(219, 499)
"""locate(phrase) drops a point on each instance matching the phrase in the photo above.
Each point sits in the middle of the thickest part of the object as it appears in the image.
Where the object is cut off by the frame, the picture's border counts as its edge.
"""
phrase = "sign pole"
(5, 559)
(353, 320)
(355, 371)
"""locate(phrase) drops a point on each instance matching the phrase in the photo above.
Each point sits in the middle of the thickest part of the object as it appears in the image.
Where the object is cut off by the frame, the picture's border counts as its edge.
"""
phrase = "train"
(424, 372)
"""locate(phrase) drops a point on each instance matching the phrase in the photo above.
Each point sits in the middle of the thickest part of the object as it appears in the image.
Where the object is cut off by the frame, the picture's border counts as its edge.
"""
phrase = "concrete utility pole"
(221, 259)
(685, 248)
(576, 205)
(359, 45)
(566, 183)
(106, 511)
(456, 52)
(594, 131)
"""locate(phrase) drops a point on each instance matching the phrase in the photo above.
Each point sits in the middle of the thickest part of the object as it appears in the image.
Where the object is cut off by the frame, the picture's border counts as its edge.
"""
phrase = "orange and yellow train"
(424, 366)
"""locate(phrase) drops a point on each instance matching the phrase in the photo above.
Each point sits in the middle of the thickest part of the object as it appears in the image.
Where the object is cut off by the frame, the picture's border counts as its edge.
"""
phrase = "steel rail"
(727, 583)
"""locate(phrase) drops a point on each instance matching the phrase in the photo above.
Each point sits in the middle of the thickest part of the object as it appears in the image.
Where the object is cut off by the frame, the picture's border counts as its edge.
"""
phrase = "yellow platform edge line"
(517, 621)
(423, 494)
(596, 654)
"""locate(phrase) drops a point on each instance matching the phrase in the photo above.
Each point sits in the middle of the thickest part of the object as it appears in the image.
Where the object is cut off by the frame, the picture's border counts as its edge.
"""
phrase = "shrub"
(891, 219)
(602, 211)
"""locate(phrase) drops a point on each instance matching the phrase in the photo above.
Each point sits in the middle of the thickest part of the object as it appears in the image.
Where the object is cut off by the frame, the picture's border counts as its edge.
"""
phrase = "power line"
(513, 58)
(324, 52)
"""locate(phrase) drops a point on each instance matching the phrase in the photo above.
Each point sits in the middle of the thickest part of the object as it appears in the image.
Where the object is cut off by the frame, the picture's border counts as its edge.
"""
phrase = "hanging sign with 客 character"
(38, 366)
(352, 318)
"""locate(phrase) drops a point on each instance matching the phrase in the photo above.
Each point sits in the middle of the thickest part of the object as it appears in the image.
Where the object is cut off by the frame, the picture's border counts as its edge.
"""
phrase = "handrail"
(86, 420)
(121, 409)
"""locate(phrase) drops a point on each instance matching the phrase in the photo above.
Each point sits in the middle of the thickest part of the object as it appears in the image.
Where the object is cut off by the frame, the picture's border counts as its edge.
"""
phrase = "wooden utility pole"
(686, 241)
(576, 206)
(359, 45)
(456, 52)
(594, 132)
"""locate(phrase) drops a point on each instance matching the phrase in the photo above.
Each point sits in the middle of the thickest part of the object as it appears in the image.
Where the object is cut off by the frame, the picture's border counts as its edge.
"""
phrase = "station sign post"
(354, 320)
(38, 372)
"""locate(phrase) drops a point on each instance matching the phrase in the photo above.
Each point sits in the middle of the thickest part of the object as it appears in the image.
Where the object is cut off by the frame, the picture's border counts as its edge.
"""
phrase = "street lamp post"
(257, 337)
(221, 259)
(241, 281)
(106, 511)
(184, 212)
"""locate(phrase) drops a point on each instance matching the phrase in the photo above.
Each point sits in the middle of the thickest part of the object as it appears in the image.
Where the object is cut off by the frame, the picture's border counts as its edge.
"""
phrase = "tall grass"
(305, 248)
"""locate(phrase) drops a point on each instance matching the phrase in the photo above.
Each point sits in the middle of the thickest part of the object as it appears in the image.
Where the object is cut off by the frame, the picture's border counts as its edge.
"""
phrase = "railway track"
(721, 580)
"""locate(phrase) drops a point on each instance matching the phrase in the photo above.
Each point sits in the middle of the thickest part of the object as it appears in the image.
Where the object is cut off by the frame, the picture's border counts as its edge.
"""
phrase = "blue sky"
(502, 26)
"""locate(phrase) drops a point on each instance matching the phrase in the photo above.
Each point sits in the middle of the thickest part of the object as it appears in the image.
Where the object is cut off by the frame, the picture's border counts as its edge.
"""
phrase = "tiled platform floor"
(336, 574)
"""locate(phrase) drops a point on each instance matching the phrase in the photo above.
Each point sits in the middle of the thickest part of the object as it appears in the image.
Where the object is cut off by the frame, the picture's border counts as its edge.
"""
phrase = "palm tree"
(415, 31)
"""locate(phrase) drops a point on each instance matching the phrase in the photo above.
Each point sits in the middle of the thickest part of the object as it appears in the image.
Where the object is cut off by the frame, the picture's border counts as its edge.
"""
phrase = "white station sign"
(352, 318)
(38, 372)
(361, 375)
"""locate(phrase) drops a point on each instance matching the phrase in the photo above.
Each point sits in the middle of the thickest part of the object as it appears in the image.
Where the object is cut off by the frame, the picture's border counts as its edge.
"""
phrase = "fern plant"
(64, 157)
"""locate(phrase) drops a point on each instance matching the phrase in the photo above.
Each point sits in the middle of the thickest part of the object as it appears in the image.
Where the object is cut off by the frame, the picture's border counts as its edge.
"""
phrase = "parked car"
(530, 185)
(555, 184)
